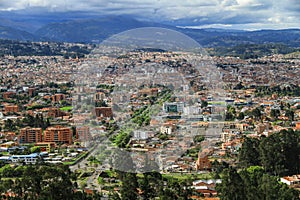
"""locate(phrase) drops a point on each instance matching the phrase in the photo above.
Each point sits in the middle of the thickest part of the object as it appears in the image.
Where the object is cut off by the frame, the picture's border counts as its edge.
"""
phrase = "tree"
(274, 113)
(256, 113)
(259, 185)
(290, 114)
(122, 139)
(279, 153)
(204, 104)
(249, 153)
(129, 186)
(35, 149)
(218, 167)
(230, 113)
(232, 186)
(9, 125)
(198, 138)
(150, 184)
(252, 179)
(241, 116)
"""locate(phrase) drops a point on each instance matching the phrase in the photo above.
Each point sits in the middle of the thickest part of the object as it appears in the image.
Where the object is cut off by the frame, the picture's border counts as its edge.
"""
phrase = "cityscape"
(147, 112)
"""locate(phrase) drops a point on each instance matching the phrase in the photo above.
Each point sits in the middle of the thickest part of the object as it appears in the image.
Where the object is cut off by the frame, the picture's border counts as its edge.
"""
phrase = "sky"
(234, 14)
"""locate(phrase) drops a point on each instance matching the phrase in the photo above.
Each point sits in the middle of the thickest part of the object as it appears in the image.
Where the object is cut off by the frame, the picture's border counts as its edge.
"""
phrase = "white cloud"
(255, 12)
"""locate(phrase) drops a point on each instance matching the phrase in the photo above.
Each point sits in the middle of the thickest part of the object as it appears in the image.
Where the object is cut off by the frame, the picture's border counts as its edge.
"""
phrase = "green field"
(66, 108)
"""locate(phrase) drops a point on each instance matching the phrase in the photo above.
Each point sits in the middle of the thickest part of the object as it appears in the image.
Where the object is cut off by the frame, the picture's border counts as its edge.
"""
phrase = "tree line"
(278, 154)
(40, 181)
(253, 183)
(261, 163)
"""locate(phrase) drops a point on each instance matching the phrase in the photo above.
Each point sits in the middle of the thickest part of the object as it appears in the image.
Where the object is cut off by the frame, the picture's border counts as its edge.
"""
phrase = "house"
(58, 97)
(293, 180)
(8, 95)
(206, 191)
(168, 127)
(148, 92)
(105, 112)
(45, 146)
(27, 159)
(297, 125)
(11, 108)
(5, 159)
(203, 163)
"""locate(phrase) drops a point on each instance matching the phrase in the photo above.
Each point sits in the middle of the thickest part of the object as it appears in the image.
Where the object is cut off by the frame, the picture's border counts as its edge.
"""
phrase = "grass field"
(66, 108)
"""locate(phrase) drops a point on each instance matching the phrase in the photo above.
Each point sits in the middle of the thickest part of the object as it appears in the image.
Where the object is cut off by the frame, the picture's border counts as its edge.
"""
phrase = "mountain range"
(87, 29)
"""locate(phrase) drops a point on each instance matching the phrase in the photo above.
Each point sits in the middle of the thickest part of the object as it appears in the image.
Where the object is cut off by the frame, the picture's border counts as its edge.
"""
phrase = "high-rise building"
(30, 135)
(58, 134)
(83, 133)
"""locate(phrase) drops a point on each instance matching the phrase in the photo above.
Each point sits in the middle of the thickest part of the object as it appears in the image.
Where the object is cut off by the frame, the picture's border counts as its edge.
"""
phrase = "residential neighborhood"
(155, 106)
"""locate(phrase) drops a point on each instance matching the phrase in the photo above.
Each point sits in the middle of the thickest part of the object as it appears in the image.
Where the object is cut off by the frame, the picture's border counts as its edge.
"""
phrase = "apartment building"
(30, 135)
(58, 134)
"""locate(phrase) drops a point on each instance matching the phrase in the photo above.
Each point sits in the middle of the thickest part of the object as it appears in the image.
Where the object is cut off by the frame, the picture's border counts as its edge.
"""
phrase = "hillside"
(15, 34)
(95, 30)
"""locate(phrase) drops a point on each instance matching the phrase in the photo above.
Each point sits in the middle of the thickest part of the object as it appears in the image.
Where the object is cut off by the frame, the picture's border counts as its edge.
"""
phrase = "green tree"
(150, 184)
(204, 104)
(252, 180)
(129, 186)
(279, 153)
(257, 113)
(249, 153)
(274, 113)
(232, 186)
(35, 149)
(290, 114)
(241, 116)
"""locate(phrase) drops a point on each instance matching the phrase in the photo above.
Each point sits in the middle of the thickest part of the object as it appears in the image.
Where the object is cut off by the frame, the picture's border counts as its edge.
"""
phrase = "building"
(11, 108)
(167, 128)
(142, 135)
(104, 112)
(58, 134)
(27, 159)
(298, 126)
(99, 96)
(31, 92)
(291, 180)
(58, 97)
(83, 135)
(148, 92)
(55, 112)
(206, 187)
(174, 107)
(203, 163)
(8, 95)
(30, 135)
(45, 146)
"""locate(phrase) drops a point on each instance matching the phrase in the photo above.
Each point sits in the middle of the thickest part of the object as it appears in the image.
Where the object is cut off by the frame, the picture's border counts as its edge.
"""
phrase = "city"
(187, 131)
(150, 100)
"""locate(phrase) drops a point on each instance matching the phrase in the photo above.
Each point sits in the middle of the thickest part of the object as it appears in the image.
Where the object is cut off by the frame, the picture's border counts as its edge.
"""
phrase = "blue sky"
(237, 14)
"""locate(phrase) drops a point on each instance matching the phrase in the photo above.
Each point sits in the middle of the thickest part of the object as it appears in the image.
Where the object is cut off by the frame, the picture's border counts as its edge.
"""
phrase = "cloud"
(254, 12)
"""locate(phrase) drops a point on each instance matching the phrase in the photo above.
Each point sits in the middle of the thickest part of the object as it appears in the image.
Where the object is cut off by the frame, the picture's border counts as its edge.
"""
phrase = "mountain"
(90, 30)
(214, 38)
(87, 27)
(15, 34)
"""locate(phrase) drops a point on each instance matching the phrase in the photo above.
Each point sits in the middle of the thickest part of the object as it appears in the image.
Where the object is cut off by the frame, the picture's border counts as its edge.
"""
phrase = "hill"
(89, 29)
(15, 34)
